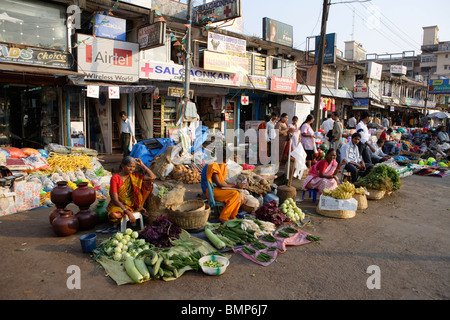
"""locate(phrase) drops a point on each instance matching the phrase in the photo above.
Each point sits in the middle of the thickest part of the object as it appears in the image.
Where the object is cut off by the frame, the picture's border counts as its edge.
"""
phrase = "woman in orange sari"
(216, 174)
(129, 190)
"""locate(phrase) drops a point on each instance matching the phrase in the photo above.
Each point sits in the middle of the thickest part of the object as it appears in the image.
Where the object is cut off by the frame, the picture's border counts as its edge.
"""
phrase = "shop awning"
(377, 105)
(124, 88)
(16, 68)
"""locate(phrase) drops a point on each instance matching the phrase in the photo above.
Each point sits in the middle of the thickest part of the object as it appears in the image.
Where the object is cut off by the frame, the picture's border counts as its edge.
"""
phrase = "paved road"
(404, 237)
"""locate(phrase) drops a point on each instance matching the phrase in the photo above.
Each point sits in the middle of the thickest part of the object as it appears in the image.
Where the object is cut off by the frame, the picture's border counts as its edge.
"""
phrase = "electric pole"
(187, 73)
(323, 32)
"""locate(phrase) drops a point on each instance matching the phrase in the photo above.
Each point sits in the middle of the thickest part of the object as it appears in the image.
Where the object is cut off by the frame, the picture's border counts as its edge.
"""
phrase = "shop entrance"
(116, 123)
(29, 116)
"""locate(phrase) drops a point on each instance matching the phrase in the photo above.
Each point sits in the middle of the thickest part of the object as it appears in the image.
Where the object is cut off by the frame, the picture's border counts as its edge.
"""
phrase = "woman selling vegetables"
(216, 174)
(129, 190)
(323, 175)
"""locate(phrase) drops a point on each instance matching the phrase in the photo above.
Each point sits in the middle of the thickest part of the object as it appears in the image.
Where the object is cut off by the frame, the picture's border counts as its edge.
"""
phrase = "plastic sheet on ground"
(296, 239)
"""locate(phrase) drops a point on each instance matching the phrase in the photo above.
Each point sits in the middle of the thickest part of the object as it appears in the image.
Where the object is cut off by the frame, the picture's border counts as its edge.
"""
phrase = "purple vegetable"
(270, 212)
(160, 231)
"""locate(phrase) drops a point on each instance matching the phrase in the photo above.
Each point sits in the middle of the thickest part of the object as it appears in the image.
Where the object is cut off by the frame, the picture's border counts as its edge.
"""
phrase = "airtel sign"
(108, 60)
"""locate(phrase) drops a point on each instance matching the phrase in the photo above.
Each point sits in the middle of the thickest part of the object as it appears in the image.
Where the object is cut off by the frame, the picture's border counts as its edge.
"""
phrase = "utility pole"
(187, 73)
(323, 32)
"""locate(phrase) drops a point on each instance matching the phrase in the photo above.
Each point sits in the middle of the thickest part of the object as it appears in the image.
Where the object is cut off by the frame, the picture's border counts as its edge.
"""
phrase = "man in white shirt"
(378, 155)
(364, 145)
(385, 122)
(327, 126)
(353, 161)
(270, 131)
(351, 124)
(126, 134)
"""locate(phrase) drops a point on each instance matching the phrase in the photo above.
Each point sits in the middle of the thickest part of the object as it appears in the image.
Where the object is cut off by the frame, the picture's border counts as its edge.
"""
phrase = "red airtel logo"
(120, 57)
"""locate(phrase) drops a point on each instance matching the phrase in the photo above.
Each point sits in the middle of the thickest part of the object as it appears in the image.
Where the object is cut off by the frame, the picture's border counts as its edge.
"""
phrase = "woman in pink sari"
(323, 175)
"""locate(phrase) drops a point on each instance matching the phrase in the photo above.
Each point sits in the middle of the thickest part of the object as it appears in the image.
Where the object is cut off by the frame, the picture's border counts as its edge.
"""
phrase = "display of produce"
(381, 177)
(68, 162)
(160, 231)
(272, 213)
(121, 246)
(290, 209)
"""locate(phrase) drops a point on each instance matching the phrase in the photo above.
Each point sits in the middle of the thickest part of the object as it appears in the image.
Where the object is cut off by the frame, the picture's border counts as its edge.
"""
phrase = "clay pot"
(54, 214)
(87, 219)
(65, 224)
(83, 196)
(61, 195)
(101, 210)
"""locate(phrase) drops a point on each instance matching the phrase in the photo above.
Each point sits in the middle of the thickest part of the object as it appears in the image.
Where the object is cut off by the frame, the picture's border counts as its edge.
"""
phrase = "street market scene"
(147, 152)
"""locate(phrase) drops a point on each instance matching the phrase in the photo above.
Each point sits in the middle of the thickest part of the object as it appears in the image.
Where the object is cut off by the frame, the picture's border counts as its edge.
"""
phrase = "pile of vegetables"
(270, 212)
(122, 246)
(381, 177)
(186, 175)
(162, 191)
(290, 209)
(160, 232)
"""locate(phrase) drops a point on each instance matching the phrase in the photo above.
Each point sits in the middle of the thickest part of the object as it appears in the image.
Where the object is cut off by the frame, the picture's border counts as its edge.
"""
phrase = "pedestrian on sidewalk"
(126, 134)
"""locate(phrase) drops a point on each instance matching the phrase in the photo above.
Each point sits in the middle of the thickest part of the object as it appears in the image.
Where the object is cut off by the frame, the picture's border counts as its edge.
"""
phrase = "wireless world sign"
(108, 60)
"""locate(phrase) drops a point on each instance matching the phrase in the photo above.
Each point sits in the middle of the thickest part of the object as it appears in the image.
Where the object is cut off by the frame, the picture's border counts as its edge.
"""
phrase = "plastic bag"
(30, 152)
(15, 152)
(57, 148)
(233, 171)
(299, 155)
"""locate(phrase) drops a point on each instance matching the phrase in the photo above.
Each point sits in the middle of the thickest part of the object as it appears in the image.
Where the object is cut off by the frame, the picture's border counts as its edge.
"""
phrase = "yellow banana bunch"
(347, 187)
(327, 192)
(341, 194)
(360, 190)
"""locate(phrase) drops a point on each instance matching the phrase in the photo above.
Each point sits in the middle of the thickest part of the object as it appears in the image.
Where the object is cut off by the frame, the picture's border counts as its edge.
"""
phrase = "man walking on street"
(351, 124)
(126, 134)
(364, 144)
(327, 126)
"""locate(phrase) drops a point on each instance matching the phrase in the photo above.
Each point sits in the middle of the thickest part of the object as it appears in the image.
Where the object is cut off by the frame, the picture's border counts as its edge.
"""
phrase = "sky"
(380, 26)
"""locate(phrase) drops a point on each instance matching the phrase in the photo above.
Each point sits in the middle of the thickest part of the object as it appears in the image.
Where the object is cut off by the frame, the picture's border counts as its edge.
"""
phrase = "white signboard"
(374, 70)
(245, 100)
(114, 92)
(93, 91)
(147, 4)
(398, 69)
(225, 44)
(108, 60)
(155, 70)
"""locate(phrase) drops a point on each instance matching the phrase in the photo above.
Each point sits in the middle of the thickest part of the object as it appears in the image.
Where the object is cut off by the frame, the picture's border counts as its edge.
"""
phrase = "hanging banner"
(147, 4)
(441, 86)
(224, 62)
(283, 84)
(215, 11)
(225, 44)
(110, 27)
(93, 91)
(114, 92)
(152, 36)
(361, 104)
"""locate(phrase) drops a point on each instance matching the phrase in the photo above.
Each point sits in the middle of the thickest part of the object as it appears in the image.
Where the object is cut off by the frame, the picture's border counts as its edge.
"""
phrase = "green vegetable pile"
(381, 177)
(212, 264)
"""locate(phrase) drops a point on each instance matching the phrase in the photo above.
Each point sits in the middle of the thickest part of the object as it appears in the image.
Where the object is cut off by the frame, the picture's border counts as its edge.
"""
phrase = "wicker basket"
(340, 214)
(190, 220)
(362, 201)
(376, 194)
(191, 206)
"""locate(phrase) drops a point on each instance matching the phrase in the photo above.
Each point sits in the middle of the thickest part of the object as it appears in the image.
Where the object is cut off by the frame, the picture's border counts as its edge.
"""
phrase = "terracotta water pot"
(61, 196)
(83, 197)
(65, 224)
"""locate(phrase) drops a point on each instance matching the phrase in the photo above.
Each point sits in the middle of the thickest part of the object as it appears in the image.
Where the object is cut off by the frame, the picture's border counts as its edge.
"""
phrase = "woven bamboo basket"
(362, 201)
(376, 194)
(340, 214)
(190, 220)
(191, 206)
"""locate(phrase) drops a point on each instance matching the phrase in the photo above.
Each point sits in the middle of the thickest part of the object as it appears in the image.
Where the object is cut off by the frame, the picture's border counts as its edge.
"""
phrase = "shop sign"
(360, 104)
(215, 11)
(361, 92)
(147, 4)
(283, 84)
(398, 69)
(278, 32)
(255, 82)
(441, 86)
(155, 70)
(329, 54)
(418, 103)
(110, 27)
(108, 60)
(224, 62)
(245, 100)
(35, 57)
(374, 70)
(179, 92)
(225, 44)
(152, 36)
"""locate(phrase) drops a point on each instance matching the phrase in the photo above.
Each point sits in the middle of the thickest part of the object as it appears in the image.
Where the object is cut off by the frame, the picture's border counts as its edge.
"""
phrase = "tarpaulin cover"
(141, 151)
(201, 135)
(296, 239)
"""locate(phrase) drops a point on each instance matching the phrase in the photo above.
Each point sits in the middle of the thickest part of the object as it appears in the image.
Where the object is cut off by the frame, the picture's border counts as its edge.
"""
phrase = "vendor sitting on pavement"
(323, 175)
(355, 164)
(442, 135)
(389, 144)
(378, 155)
(129, 190)
(430, 149)
(216, 174)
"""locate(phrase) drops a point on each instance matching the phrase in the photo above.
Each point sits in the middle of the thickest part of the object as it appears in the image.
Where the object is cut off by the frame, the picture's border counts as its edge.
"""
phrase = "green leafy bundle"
(381, 177)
